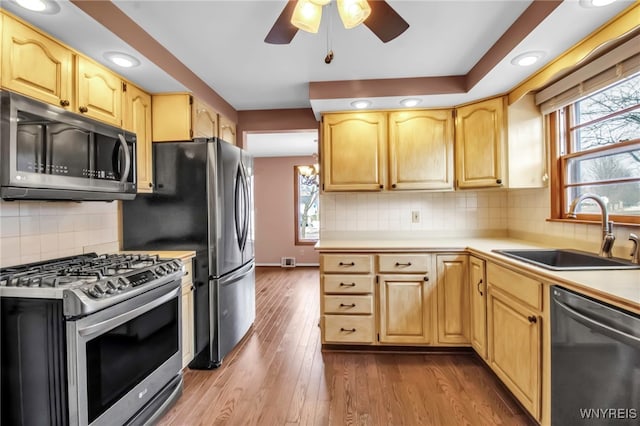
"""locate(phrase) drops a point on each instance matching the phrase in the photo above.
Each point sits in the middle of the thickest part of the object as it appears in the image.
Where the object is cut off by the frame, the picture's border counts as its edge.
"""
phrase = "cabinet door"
(480, 134)
(421, 149)
(354, 151)
(478, 296)
(514, 343)
(35, 65)
(187, 323)
(137, 119)
(453, 299)
(99, 92)
(227, 130)
(406, 305)
(205, 120)
(171, 117)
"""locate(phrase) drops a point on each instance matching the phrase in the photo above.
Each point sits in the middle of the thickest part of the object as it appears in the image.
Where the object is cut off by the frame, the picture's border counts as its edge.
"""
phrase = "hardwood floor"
(279, 376)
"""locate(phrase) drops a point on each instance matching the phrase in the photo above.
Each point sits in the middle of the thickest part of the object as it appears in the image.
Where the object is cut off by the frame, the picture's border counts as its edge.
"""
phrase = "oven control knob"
(123, 282)
(160, 271)
(96, 292)
(112, 287)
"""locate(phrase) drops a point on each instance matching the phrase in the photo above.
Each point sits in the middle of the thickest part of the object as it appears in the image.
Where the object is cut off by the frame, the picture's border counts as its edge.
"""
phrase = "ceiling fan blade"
(385, 22)
(283, 30)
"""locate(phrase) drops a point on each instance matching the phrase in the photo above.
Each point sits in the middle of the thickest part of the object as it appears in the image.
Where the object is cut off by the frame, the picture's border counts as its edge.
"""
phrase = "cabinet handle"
(83, 109)
(350, 330)
(346, 264)
(393, 185)
(352, 305)
(479, 291)
(192, 288)
(532, 319)
(403, 264)
(426, 279)
(381, 186)
(347, 284)
(186, 273)
(499, 181)
(150, 184)
(64, 102)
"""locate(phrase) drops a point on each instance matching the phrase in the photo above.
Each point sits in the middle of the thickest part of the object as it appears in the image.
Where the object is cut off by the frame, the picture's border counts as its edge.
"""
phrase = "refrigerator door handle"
(237, 211)
(247, 206)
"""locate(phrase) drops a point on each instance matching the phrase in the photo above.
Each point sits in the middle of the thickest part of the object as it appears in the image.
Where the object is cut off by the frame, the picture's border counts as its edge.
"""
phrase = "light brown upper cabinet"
(354, 151)
(421, 149)
(480, 139)
(137, 119)
(99, 92)
(227, 130)
(181, 117)
(35, 65)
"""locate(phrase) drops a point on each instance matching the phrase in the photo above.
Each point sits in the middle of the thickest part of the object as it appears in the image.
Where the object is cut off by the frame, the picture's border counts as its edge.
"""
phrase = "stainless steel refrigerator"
(202, 201)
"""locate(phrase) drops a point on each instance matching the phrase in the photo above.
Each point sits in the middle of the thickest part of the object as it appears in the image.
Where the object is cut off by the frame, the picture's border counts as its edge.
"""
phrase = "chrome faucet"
(635, 252)
(607, 226)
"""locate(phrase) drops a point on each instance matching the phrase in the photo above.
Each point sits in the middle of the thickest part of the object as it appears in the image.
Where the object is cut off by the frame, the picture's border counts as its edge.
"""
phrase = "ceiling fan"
(377, 15)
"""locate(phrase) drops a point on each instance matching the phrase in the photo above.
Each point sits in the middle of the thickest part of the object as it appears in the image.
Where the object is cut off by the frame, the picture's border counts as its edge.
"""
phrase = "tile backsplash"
(442, 213)
(36, 230)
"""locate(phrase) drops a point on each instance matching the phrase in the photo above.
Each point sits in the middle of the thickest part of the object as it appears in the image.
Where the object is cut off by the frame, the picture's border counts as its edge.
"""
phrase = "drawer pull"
(532, 319)
(403, 264)
(343, 305)
(350, 330)
(347, 264)
(347, 284)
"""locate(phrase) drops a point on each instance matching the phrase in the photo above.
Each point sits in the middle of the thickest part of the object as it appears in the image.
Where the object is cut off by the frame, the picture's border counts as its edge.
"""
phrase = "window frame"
(296, 199)
(561, 139)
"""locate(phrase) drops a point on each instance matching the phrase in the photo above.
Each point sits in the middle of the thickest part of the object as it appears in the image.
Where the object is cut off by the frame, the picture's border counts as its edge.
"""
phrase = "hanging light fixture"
(353, 12)
(306, 15)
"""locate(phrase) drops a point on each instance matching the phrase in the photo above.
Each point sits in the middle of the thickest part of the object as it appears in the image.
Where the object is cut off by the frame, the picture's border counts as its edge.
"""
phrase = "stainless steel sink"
(567, 260)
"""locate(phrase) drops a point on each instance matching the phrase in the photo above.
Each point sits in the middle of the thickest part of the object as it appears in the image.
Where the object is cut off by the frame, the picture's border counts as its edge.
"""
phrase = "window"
(597, 141)
(306, 190)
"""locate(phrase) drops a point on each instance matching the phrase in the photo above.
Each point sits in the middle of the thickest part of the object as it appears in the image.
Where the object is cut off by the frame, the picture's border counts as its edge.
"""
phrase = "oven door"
(121, 357)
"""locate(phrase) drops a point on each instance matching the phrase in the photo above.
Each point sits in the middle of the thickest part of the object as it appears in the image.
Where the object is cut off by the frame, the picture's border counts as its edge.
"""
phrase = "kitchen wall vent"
(288, 262)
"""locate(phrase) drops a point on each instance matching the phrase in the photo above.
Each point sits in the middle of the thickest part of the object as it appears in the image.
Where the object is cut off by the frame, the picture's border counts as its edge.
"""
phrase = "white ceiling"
(222, 43)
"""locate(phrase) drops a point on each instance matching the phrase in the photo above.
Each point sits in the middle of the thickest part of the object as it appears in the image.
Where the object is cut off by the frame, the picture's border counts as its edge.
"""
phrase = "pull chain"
(329, 57)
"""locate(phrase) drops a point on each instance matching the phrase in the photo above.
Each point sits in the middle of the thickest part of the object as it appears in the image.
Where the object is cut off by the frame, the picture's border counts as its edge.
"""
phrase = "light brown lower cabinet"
(188, 334)
(453, 298)
(478, 304)
(405, 307)
(515, 347)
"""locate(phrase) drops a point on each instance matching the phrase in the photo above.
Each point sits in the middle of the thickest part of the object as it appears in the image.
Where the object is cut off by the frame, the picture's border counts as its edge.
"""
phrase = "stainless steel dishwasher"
(595, 362)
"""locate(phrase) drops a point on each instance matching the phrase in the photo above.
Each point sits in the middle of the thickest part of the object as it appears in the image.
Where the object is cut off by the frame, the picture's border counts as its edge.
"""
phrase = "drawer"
(188, 275)
(348, 283)
(519, 286)
(400, 263)
(348, 329)
(348, 304)
(346, 263)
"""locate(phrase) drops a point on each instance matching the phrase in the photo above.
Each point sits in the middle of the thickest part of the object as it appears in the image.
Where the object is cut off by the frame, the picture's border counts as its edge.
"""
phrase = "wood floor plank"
(278, 375)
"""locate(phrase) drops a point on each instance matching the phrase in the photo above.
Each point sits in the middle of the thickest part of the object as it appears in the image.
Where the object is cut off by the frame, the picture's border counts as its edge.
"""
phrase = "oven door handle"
(127, 159)
(106, 325)
(598, 326)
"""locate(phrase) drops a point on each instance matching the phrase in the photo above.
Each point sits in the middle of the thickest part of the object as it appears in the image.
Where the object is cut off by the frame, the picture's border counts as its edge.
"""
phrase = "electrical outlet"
(415, 216)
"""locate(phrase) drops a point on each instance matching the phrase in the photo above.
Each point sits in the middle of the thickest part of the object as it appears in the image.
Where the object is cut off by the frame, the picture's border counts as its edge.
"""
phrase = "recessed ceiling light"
(360, 104)
(410, 102)
(595, 3)
(41, 6)
(527, 59)
(122, 59)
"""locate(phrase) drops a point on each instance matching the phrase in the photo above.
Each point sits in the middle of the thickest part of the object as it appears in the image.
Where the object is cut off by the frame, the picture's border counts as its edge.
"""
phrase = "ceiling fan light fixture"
(595, 3)
(306, 16)
(353, 12)
(361, 104)
(320, 2)
(410, 102)
(122, 59)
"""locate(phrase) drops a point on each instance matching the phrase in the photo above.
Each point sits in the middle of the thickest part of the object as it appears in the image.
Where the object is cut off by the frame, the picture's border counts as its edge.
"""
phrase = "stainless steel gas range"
(90, 340)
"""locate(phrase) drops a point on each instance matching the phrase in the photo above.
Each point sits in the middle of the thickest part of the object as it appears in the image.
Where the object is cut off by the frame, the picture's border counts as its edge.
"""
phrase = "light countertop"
(618, 287)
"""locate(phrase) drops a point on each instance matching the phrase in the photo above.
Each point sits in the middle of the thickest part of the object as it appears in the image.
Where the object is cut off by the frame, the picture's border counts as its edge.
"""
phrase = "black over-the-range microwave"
(48, 153)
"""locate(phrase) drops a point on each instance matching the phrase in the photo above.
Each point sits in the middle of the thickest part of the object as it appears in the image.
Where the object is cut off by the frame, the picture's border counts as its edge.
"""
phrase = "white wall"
(38, 230)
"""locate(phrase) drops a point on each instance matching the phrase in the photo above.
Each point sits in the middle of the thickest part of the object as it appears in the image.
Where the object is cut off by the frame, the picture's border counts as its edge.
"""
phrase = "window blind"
(621, 62)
